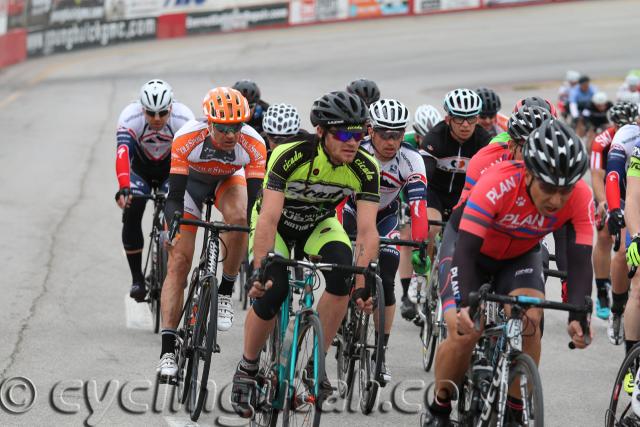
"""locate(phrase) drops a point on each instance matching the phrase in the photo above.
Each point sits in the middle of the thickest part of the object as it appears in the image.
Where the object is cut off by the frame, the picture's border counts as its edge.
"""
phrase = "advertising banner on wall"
(501, 2)
(3, 17)
(238, 18)
(16, 14)
(371, 8)
(424, 6)
(128, 9)
(80, 35)
(305, 11)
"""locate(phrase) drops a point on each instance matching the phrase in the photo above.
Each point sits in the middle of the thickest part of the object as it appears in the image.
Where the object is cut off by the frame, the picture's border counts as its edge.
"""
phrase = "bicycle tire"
(344, 352)
(629, 364)
(185, 349)
(203, 347)
(160, 274)
(523, 363)
(265, 414)
(291, 413)
(369, 375)
(428, 336)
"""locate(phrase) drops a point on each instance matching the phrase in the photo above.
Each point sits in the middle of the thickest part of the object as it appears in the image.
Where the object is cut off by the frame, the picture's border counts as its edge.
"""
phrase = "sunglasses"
(153, 113)
(233, 128)
(344, 135)
(486, 116)
(460, 120)
(552, 189)
(277, 139)
(389, 134)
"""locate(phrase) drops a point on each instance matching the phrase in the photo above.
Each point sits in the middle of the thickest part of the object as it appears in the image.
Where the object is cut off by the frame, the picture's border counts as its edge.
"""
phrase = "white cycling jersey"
(625, 139)
(155, 145)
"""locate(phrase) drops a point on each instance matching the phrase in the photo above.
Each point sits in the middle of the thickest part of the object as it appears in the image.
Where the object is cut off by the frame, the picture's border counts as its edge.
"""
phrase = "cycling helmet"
(365, 89)
(555, 154)
(389, 114)
(156, 95)
(339, 109)
(599, 98)
(249, 90)
(536, 101)
(526, 120)
(490, 101)
(572, 76)
(462, 103)
(632, 80)
(623, 113)
(425, 118)
(225, 105)
(281, 119)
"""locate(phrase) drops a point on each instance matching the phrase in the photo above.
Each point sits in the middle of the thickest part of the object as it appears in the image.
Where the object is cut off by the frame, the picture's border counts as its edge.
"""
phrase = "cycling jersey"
(142, 149)
(446, 159)
(256, 119)
(197, 163)
(485, 158)
(506, 224)
(412, 138)
(595, 117)
(600, 148)
(502, 122)
(501, 137)
(634, 164)
(579, 100)
(404, 172)
(620, 152)
(313, 186)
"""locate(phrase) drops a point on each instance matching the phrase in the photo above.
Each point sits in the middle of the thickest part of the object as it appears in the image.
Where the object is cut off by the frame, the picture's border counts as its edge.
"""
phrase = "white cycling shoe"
(167, 367)
(225, 312)
(412, 293)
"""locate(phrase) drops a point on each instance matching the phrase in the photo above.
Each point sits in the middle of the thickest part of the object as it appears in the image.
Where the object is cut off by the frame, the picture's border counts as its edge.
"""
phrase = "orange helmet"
(225, 105)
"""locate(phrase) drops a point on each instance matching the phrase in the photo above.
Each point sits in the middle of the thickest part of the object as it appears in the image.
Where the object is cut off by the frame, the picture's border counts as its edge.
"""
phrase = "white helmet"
(281, 119)
(156, 95)
(425, 118)
(632, 80)
(389, 114)
(599, 98)
(463, 103)
(572, 76)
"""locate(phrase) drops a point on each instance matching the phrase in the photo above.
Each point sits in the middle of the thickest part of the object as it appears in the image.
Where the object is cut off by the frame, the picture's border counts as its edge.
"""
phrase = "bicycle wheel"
(620, 403)
(429, 332)
(302, 403)
(344, 352)
(160, 272)
(525, 370)
(203, 335)
(185, 334)
(266, 415)
(370, 362)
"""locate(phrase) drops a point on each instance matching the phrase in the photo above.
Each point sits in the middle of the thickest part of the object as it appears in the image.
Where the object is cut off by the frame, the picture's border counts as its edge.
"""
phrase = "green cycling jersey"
(501, 137)
(412, 138)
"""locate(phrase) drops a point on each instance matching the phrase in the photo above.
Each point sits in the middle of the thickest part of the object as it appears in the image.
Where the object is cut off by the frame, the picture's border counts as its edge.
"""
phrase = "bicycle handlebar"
(155, 196)
(215, 226)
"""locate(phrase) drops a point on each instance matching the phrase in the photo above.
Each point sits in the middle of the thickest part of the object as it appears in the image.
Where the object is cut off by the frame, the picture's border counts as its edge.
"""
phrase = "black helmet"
(339, 109)
(365, 89)
(536, 101)
(554, 154)
(249, 90)
(526, 120)
(623, 113)
(490, 101)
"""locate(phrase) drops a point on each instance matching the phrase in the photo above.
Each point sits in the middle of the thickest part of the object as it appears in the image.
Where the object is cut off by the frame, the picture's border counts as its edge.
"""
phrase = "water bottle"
(286, 344)
(635, 397)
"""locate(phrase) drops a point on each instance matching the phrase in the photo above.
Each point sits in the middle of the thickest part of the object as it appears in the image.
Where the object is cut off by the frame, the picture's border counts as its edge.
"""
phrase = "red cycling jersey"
(481, 161)
(500, 211)
(600, 148)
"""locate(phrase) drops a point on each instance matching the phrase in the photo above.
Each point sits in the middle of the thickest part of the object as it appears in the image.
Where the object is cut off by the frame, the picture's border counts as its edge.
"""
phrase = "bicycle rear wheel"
(525, 371)
(302, 400)
(344, 352)
(266, 415)
(429, 333)
(620, 403)
(160, 272)
(371, 352)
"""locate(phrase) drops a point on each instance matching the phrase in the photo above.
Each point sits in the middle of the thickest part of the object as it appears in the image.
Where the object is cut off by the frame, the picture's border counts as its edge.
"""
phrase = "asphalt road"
(66, 322)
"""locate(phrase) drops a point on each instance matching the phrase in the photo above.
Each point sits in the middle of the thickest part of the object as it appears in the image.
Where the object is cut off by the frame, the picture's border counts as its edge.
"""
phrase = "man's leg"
(133, 242)
(435, 215)
(620, 294)
(602, 269)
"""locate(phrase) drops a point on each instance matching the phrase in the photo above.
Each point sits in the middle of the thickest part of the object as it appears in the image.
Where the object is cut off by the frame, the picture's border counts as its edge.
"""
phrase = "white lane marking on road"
(137, 314)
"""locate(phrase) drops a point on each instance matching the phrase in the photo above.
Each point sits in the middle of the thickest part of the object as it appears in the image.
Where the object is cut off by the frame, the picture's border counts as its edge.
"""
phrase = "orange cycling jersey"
(502, 121)
(192, 149)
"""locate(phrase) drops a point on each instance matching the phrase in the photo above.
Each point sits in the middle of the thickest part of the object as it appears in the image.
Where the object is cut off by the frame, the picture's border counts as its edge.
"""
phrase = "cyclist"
(629, 91)
(424, 119)
(571, 80)
(536, 101)
(595, 116)
(280, 123)
(145, 131)
(250, 90)
(448, 148)
(622, 113)
(620, 152)
(218, 156)
(401, 169)
(489, 118)
(305, 182)
(366, 89)
(579, 99)
(499, 230)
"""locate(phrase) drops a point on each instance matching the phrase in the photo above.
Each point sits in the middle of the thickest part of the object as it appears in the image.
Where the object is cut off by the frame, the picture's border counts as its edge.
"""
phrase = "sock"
(226, 285)
(441, 406)
(602, 285)
(405, 286)
(619, 301)
(628, 344)
(168, 341)
(386, 340)
(248, 366)
(515, 407)
(135, 265)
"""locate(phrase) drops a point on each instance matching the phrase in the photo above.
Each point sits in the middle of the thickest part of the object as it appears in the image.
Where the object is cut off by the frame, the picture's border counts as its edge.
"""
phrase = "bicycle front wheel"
(303, 400)
(524, 375)
(345, 359)
(429, 311)
(620, 403)
(160, 272)
(266, 415)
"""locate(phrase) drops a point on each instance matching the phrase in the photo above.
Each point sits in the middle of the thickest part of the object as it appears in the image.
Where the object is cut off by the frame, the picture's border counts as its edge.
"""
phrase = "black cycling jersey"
(256, 120)
(446, 160)
(597, 119)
